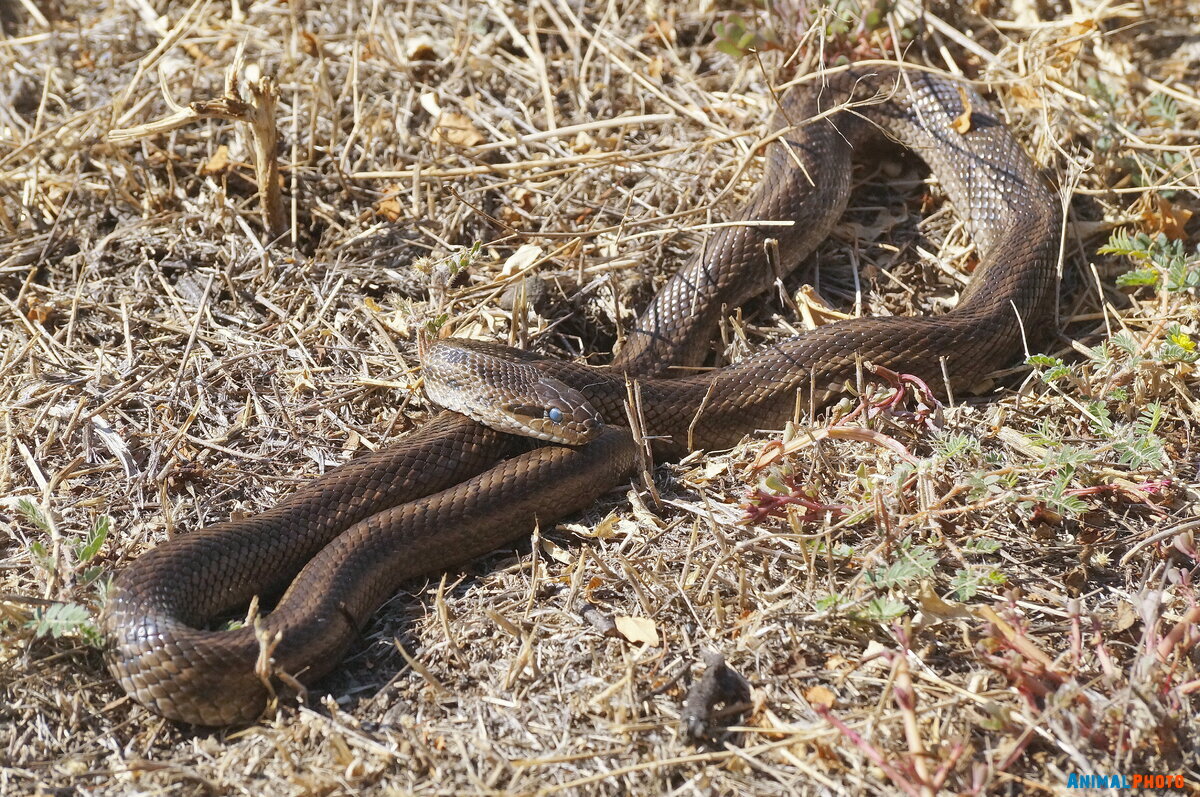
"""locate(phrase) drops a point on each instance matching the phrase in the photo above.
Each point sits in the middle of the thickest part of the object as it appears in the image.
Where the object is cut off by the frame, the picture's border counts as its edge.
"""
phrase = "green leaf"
(95, 540)
(62, 619)
(34, 514)
(1163, 108)
(730, 49)
(1137, 278)
(884, 609)
(952, 444)
(965, 584)
(913, 563)
(1067, 456)
(775, 484)
(829, 602)
(981, 545)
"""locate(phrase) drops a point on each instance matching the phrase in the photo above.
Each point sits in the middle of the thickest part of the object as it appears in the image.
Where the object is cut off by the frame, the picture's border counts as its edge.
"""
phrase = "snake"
(456, 488)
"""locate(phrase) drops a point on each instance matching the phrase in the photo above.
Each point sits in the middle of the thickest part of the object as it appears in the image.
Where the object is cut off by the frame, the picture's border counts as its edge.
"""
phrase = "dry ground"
(1007, 598)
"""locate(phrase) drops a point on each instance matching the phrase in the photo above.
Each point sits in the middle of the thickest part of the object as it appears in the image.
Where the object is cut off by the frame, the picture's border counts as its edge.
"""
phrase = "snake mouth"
(561, 418)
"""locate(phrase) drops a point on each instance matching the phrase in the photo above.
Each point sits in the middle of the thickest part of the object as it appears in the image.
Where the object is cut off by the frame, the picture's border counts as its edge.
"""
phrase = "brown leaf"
(556, 552)
(1125, 618)
(775, 450)
(1069, 46)
(1026, 95)
(962, 122)
(457, 129)
(934, 609)
(1017, 639)
(389, 207)
(309, 43)
(836, 662)
(1161, 215)
(820, 696)
(638, 630)
(814, 310)
(38, 311)
(218, 163)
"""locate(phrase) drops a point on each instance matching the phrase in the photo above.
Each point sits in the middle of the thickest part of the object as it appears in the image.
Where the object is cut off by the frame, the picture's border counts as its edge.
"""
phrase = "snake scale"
(455, 489)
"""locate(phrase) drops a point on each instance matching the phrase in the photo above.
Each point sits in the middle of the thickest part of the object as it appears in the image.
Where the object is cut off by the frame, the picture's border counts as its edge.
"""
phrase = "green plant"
(34, 515)
(1067, 456)
(64, 619)
(1057, 499)
(1136, 444)
(60, 619)
(1163, 108)
(1179, 347)
(990, 485)
(735, 37)
(949, 445)
(464, 258)
(1050, 369)
(1161, 261)
(86, 549)
(983, 545)
(968, 581)
(913, 561)
(882, 610)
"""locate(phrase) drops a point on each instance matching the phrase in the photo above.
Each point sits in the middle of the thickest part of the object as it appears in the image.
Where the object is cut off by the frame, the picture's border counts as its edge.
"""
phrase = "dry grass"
(1007, 600)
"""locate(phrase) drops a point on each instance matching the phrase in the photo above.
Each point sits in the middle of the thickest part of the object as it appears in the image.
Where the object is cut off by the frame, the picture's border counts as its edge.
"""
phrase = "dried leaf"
(1161, 215)
(421, 48)
(605, 529)
(1068, 48)
(872, 653)
(638, 630)
(1026, 95)
(1017, 639)
(521, 259)
(429, 102)
(38, 311)
(814, 310)
(820, 696)
(218, 163)
(775, 450)
(389, 207)
(962, 122)
(309, 43)
(934, 610)
(1126, 617)
(584, 142)
(457, 129)
(556, 552)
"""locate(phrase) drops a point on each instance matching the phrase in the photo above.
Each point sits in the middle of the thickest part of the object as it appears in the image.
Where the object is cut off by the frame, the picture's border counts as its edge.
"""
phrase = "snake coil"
(455, 489)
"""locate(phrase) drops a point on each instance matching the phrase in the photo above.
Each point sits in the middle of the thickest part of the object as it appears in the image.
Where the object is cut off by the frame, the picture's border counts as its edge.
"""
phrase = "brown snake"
(455, 489)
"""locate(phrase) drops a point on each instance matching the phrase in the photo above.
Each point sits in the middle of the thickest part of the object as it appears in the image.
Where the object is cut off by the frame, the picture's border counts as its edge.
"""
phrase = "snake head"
(550, 410)
(503, 389)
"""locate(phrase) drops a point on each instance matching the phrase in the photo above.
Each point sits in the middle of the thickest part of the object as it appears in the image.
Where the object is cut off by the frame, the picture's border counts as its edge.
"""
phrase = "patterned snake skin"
(455, 490)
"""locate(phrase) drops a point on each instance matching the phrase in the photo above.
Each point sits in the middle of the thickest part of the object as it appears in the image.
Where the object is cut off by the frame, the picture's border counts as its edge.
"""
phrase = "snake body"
(456, 489)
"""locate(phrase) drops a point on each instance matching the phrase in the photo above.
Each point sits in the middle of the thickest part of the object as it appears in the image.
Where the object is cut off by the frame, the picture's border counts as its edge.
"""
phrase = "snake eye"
(554, 414)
